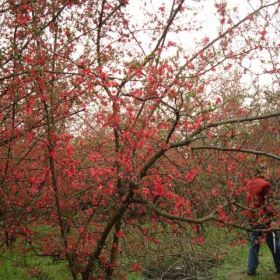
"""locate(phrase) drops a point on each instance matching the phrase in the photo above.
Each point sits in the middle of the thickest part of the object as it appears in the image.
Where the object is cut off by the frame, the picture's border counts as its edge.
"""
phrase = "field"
(213, 259)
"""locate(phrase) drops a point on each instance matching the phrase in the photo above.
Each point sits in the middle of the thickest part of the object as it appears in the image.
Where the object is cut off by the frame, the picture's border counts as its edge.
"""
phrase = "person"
(257, 199)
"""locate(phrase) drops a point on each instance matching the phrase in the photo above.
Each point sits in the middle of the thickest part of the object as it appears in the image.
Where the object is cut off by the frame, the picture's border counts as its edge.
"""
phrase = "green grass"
(135, 276)
(14, 266)
(234, 263)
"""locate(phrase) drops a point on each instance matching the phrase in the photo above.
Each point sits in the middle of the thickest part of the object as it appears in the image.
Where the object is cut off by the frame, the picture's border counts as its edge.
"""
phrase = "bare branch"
(255, 152)
(228, 31)
(190, 139)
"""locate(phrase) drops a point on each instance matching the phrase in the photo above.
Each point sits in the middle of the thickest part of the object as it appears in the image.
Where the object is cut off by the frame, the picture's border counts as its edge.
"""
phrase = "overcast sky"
(206, 16)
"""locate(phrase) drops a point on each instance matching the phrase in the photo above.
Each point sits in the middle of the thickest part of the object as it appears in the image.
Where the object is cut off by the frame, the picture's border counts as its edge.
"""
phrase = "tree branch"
(255, 152)
(190, 139)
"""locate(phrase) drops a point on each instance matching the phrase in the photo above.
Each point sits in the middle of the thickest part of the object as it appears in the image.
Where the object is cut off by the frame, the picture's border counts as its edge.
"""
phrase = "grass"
(233, 265)
(15, 266)
(135, 276)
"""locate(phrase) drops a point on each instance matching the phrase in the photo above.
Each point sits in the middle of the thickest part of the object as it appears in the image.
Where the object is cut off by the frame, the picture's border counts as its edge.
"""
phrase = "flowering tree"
(103, 115)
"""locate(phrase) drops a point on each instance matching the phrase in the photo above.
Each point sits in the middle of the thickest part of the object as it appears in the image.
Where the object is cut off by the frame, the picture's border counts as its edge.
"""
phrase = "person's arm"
(266, 189)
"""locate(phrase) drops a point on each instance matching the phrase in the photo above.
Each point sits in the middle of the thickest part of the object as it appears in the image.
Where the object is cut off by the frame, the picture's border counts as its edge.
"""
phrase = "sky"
(208, 19)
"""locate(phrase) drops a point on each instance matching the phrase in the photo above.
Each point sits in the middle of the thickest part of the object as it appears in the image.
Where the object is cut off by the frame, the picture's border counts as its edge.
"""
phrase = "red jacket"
(257, 190)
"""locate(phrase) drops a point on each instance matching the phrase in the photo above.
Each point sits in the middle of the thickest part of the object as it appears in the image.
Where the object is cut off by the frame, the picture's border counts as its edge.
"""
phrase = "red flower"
(120, 234)
(136, 267)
